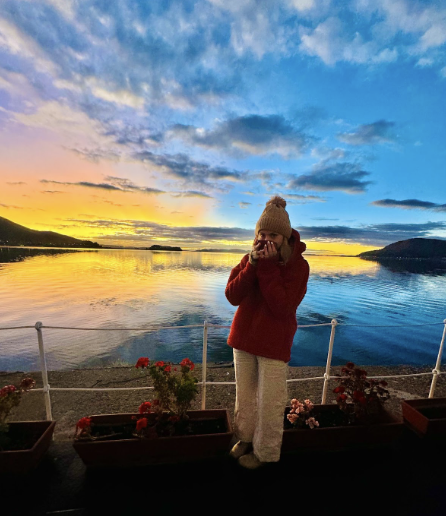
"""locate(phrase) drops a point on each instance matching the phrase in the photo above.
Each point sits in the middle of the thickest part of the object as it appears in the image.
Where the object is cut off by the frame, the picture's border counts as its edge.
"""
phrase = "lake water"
(379, 309)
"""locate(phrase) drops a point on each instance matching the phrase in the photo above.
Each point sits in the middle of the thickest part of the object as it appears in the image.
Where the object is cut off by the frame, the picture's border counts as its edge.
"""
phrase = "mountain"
(16, 235)
(426, 248)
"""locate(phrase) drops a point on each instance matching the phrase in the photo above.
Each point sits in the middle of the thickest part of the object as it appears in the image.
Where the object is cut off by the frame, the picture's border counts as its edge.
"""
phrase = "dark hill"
(426, 248)
(16, 235)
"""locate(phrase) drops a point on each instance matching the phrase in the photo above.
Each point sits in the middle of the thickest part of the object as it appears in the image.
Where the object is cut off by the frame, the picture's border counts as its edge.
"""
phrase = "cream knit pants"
(261, 397)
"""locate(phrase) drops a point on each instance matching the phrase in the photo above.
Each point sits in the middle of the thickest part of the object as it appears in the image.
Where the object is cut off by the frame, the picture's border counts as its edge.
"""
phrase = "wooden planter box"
(138, 452)
(426, 417)
(383, 433)
(23, 461)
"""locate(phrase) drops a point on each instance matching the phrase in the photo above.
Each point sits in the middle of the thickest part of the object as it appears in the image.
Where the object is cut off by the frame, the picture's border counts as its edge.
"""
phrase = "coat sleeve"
(241, 281)
(283, 294)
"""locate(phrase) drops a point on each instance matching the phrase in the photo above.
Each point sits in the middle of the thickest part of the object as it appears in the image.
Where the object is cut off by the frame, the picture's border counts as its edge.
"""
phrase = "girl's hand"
(255, 253)
(269, 251)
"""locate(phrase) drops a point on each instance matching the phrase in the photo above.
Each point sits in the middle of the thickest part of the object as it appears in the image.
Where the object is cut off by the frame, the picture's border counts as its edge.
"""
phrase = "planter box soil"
(426, 417)
(335, 432)
(212, 435)
(28, 442)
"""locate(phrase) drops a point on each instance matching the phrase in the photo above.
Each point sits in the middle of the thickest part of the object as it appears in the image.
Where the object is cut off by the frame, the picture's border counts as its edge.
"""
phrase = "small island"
(413, 249)
(163, 248)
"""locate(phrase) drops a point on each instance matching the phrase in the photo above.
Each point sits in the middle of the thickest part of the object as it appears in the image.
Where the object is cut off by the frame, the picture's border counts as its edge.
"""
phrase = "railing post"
(46, 385)
(436, 371)
(334, 322)
(204, 365)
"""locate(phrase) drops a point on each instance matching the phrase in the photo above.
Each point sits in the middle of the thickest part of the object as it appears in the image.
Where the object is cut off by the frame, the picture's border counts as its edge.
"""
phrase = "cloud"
(190, 171)
(145, 231)
(332, 41)
(243, 204)
(247, 135)
(410, 204)
(373, 234)
(191, 193)
(370, 134)
(345, 177)
(303, 199)
(121, 185)
(11, 206)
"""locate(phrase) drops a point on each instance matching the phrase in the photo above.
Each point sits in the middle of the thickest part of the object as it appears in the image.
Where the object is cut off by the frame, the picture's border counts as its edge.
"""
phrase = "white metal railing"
(334, 323)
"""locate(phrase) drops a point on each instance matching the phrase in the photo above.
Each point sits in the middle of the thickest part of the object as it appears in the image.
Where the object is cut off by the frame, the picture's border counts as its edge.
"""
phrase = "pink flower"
(300, 407)
(311, 422)
(309, 404)
(292, 418)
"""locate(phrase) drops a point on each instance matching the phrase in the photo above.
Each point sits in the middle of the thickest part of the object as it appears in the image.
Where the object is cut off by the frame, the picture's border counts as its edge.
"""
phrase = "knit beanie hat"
(275, 218)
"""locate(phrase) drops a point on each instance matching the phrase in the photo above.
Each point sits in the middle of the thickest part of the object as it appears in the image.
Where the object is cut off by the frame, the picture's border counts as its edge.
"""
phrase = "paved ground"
(409, 479)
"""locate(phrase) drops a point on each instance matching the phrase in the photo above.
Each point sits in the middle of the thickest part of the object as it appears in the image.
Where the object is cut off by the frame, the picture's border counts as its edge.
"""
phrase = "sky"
(135, 123)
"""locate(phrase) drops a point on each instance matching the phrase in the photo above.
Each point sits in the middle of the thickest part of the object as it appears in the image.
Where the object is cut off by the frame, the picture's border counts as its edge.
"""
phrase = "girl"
(267, 286)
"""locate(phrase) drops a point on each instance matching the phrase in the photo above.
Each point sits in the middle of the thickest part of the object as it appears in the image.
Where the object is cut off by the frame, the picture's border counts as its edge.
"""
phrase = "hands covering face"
(260, 252)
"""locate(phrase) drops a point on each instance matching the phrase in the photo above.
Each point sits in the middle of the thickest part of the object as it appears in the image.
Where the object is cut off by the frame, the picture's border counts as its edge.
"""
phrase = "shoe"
(240, 449)
(250, 461)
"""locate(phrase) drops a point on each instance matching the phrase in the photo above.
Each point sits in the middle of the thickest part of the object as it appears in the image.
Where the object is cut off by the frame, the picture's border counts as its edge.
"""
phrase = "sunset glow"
(135, 123)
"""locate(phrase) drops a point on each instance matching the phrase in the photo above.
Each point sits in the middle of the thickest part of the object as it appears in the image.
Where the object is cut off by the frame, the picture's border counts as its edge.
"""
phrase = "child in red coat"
(267, 286)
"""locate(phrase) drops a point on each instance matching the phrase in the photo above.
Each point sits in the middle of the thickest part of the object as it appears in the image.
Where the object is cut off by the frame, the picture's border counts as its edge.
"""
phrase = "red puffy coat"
(267, 296)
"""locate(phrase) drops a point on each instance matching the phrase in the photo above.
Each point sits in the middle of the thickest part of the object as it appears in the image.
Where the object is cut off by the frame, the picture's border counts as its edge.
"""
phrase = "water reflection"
(18, 254)
(414, 266)
(145, 289)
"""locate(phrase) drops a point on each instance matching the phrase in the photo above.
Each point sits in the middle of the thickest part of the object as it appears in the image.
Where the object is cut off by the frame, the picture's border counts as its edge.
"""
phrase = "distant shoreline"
(376, 258)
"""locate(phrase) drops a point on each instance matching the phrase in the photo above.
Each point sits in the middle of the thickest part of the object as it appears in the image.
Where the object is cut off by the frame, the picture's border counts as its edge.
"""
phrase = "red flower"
(357, 395)
(159, 364)
(350, 365)
(145, 407)
(83, 423)
(27, 383)
(187, 363)
(167, 369)
(142, 362)
(341, 388)
(7, 389)
(383, 383)
(141, 423)
(341, 397)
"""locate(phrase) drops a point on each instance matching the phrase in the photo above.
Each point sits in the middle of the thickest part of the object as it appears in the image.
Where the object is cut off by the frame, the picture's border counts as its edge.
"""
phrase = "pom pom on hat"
(278, 201)
(275, 218)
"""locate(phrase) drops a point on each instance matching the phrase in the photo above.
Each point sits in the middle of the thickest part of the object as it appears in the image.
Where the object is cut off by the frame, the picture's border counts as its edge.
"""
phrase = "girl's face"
(264, 234)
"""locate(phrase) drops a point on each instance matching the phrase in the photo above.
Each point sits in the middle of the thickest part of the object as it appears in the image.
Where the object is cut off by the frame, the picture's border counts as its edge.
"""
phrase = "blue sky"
(134, 122)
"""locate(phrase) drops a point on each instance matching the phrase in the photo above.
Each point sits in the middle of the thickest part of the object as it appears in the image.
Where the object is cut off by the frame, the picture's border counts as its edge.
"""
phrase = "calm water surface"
(378, 308)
